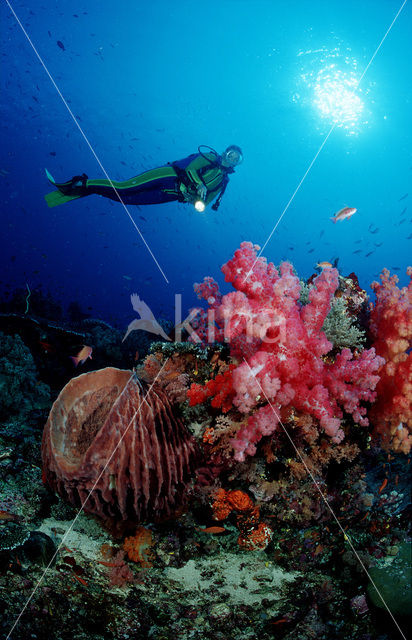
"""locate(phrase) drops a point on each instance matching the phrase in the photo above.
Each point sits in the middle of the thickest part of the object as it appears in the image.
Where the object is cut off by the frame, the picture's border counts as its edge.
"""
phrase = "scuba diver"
(197, 179)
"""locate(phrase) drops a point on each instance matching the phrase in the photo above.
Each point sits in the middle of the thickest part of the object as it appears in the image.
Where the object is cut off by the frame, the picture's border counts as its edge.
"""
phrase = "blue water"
(147, 85)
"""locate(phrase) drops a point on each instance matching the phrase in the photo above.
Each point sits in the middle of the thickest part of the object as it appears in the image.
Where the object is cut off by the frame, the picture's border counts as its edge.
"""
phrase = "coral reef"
(391, 330)
(393, 580)
(283, 351)
(169, 372)
(21, 392)
(251, 546)
(35, 302)
(253, 533)
(219, 388)
(116, 447)
(175, 366)
(340, 328)
(138, 547)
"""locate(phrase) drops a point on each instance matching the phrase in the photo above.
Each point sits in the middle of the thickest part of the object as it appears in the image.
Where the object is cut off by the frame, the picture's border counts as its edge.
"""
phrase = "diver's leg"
(151, 187)
(76, 186)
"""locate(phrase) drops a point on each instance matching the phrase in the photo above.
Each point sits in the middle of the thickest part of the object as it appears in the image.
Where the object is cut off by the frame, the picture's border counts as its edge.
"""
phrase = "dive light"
(199, 206)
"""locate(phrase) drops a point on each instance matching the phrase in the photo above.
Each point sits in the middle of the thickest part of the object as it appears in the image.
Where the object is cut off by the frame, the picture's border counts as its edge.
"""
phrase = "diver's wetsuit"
(175, 181)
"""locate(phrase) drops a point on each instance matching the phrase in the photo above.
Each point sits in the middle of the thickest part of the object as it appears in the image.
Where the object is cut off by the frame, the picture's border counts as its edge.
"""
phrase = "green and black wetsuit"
(175, 181)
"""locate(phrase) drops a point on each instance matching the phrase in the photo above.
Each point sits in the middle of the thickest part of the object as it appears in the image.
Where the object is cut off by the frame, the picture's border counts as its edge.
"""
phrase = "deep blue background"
(148, 85)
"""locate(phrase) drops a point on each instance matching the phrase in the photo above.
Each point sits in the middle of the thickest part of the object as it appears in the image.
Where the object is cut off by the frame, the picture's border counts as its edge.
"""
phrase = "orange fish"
(212, 530)
(84, 353)
(5, 515)
(383, 485)
(281, 621)
(344, 213)
(324, 265)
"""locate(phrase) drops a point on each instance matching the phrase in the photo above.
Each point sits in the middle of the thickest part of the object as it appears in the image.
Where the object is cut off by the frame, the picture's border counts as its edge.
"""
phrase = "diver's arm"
(211, 195)
(192, 170)
(191, 196)
(213, 183)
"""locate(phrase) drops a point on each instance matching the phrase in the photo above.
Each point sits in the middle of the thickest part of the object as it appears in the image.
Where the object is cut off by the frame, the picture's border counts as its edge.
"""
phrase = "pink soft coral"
(391, 328)
(284, 350)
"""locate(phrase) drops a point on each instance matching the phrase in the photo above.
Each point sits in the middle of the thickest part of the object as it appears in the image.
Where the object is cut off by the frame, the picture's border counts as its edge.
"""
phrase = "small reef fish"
(9, 517)
(79, 579)
(344, 213)
(383, 485)
(213, 530)
(84, 353)
(324, 265)
(280, 621)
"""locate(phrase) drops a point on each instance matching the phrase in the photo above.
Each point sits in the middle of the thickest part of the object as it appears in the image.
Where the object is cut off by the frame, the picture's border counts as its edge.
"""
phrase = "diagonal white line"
(40, 580)
(346, 537)
(291, 199)
(86, 140)
(380, 44)
(323, 144)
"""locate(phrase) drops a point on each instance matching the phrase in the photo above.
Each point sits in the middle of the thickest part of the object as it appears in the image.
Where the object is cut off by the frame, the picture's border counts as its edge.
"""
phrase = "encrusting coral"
(138, 547)
(254, 534)
(169, 373)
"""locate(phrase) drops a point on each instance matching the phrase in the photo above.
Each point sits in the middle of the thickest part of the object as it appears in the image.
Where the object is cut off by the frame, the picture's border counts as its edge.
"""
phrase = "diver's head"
(232, 156)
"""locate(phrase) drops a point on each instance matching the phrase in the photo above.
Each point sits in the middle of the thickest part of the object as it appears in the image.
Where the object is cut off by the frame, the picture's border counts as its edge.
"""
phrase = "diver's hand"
(201, 192)
(186, 196)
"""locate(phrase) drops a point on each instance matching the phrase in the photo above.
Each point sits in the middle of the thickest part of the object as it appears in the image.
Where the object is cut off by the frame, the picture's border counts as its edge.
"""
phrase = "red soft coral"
(203, 322)
(220, 389)
(391, 329)
(284, 349)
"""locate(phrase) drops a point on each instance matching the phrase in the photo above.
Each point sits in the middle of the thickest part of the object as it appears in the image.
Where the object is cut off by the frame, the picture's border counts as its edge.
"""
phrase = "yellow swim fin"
(54, 198)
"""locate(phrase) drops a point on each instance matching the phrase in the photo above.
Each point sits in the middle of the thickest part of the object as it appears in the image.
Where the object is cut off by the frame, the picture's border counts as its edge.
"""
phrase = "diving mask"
(232, 156)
